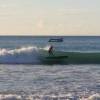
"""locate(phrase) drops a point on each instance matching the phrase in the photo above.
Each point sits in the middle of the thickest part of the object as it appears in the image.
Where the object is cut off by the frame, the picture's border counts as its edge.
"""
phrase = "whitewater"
(23, 55)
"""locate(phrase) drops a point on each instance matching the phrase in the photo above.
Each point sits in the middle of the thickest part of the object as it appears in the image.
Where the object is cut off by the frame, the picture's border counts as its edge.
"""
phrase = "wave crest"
(19, 55)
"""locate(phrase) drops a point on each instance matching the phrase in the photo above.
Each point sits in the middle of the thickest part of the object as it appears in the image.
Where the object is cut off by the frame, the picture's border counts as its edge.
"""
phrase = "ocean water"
(24, 77)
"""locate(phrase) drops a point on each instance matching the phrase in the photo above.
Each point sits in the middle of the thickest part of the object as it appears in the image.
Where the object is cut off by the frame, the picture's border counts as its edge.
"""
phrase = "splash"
(17, 51)
(19, 55)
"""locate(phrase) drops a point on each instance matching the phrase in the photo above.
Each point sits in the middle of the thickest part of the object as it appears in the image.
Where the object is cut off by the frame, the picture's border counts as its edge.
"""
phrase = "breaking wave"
(24, 55)
(68, 96)
(33, 54)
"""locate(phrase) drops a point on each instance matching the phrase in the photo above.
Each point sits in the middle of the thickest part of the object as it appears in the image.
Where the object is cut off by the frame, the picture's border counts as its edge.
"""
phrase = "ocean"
(24, 76)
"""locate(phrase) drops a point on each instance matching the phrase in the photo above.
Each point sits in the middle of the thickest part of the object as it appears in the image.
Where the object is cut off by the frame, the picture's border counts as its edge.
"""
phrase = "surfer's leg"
(50, 53)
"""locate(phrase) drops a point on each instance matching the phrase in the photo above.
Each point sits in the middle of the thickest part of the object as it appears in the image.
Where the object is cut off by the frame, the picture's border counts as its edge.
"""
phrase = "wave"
(24, 55)
(83, 57)
(35, 55)
(49, 97)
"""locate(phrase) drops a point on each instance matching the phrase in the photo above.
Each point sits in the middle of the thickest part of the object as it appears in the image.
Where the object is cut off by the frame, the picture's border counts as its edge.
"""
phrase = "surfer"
(50, 51)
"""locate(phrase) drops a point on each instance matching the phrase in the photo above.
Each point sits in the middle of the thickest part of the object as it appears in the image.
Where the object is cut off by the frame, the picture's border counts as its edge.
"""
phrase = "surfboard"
(56, 55)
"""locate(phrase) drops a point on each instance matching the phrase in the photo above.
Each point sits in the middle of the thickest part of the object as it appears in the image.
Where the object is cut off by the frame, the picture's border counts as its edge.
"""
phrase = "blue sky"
(49, 17)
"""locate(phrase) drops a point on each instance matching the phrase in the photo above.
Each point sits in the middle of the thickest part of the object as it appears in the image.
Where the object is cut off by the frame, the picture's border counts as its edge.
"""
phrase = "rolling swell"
(74, 58)
(31, 55)
(83, 58)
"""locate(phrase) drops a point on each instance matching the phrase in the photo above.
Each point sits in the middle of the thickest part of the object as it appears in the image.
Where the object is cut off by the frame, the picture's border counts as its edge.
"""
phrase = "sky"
(50, 17)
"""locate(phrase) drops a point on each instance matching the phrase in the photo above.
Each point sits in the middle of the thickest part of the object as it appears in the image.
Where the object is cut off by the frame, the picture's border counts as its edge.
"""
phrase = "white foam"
(46, 47)
(20, 55)
(47, 97)
(20, 50)
(10, 97)
(94, 97)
